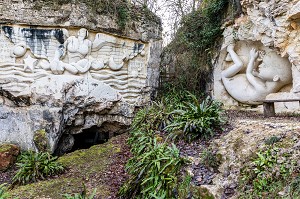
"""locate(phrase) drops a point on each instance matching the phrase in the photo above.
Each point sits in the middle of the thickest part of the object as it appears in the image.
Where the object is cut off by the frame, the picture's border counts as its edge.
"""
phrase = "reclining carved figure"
(260, 79)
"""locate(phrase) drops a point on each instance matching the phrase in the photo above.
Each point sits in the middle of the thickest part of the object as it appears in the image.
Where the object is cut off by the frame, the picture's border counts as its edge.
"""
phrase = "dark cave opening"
(88, 138)
(70, 142)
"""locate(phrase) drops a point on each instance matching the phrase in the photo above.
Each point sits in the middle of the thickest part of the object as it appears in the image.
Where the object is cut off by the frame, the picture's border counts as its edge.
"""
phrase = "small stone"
(199, 179)
(197, 162)
(190, 172)
(229, 191)
(281, 193)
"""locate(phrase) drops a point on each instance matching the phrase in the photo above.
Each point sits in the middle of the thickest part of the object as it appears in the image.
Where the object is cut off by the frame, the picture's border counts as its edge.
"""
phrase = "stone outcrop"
(65, 79)
(97, 16)
(8, 154)
(239, 147)
(267, 26)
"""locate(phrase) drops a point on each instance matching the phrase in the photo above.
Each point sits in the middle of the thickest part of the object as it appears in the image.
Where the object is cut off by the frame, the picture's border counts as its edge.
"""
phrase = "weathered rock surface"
(141, 24)
(241, 144)
(8, 154)
(69, 80)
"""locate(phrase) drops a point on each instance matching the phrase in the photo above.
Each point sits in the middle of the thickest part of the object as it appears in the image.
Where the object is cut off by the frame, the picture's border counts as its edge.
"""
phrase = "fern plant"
(34, 166)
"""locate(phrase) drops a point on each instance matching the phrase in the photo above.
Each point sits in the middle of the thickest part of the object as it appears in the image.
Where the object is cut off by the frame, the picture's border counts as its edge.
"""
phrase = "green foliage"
(34, 166)
(184, 188)
(203, 27)
(153, 168)
(173, 98)
(194, 45)
(82, 195)
(151, 118)
(195, 119)
(3, 193)
(269, 173)
(123, 15)
(295, 187)
(272, 140)
(210, 159)
(155, 164)
(119, 8)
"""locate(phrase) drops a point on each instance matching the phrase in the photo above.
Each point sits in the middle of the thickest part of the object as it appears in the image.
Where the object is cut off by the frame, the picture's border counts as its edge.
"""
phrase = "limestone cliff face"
(140, 24)
(68, 70)
(267, 26)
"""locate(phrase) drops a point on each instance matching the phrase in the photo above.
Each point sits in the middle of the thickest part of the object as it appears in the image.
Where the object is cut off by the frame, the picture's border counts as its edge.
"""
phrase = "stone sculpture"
(73, 55)
(66, 81)
(268, 26)
(260, 79)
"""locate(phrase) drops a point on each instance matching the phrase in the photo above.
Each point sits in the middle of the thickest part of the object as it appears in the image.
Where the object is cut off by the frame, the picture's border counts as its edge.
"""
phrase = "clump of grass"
(36, 166)
(196, 119)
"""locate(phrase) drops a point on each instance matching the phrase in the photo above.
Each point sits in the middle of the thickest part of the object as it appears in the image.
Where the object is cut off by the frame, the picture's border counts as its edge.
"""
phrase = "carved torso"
(77, 48)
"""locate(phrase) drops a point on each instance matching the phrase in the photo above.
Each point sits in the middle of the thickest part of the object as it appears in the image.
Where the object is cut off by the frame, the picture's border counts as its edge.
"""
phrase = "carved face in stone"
(83, 33)
(275, 68)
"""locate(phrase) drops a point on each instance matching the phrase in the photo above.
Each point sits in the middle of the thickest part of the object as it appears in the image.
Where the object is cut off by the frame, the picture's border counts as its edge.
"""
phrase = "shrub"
(34, 166)
(190, 53)
(154, 166)
(154, 117)
(196, 119)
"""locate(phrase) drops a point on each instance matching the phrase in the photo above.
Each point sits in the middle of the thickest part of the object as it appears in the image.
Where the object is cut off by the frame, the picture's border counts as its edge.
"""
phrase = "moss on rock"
(83, 166)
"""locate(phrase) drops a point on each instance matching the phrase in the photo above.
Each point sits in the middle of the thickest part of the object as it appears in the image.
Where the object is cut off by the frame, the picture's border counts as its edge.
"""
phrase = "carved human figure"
(77, 49)
(260, 79)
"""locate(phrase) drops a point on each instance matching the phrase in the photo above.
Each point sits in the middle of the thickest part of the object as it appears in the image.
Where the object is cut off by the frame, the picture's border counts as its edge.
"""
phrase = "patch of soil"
(6, 176)
(115, 176)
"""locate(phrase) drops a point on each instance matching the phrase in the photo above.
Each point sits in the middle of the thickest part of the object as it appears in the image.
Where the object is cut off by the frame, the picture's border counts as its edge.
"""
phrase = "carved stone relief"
(28, 54)
(251, 72)
(268, 26)
(68, 80)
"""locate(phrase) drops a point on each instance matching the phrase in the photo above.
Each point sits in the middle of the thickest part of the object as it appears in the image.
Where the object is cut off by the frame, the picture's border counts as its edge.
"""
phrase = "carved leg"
(269, 110)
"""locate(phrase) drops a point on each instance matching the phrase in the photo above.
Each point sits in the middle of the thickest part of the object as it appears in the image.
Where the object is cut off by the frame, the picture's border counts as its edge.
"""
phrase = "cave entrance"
(70, 142)
(89, 137)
